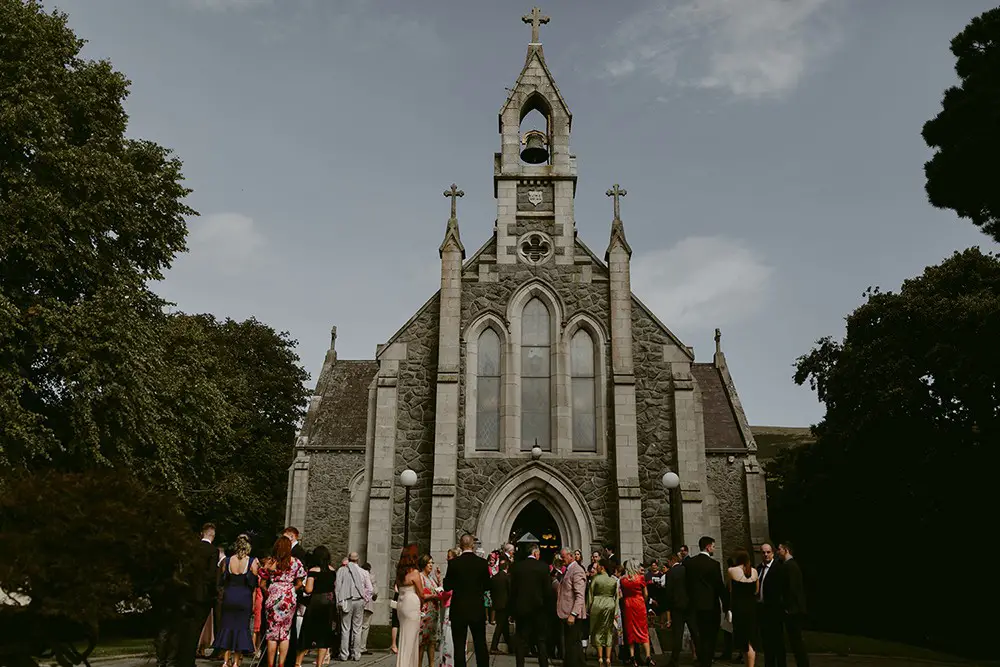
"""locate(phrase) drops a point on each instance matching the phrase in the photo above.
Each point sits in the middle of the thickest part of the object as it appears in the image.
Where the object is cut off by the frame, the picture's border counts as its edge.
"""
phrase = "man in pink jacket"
(571, 608)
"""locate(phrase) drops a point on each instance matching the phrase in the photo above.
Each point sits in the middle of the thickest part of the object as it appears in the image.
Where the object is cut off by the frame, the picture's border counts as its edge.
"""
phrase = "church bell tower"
(534, 174)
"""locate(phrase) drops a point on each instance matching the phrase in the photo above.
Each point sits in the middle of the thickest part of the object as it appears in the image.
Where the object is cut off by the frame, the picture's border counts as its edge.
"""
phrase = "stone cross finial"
(617, 193)
(453, 193)
(718, 341)
(536, 19)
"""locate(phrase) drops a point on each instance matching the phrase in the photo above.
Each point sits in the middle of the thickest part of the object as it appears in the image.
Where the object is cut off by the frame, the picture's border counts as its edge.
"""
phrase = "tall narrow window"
(584, 393)
(536, 414)
(488, 392)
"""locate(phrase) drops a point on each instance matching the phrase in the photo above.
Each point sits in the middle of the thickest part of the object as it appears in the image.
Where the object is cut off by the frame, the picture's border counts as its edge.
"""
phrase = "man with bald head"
(353, 591)
(468, 578)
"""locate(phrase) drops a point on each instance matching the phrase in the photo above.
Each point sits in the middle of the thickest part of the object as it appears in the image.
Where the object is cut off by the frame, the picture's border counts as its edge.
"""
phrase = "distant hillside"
(772, 439)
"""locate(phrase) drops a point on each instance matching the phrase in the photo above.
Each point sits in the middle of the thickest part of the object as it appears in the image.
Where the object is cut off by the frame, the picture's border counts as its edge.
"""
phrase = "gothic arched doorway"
(539, 522)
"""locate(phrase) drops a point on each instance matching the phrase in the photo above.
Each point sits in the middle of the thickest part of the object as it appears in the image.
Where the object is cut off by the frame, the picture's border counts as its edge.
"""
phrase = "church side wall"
(655, 425)
(727, 481)
(479, 477)
(416, 387)
(328, 515)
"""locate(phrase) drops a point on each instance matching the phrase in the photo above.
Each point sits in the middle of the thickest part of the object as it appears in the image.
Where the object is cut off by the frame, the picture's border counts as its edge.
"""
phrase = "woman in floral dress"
(429, 611)
(280, 577)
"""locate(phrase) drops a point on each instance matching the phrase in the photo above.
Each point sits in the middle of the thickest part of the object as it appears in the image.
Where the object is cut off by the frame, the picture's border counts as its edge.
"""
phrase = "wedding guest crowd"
(291, 602)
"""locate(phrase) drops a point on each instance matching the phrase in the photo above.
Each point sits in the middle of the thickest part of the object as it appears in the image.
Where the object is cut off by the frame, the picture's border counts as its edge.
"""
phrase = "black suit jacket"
(298, 551)
(530, 588)
(676, 594)
(468, 578)
(795, 590)
(772, 586)
(500, 589)
(705, 586)
(202, 575)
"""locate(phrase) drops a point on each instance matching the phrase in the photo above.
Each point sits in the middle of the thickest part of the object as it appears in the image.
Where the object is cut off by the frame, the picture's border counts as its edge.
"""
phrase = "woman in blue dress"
(238, 579)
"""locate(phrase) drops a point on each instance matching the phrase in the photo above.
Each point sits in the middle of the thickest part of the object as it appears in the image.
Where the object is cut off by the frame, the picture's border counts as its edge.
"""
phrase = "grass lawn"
(113, 648)
(828, 642)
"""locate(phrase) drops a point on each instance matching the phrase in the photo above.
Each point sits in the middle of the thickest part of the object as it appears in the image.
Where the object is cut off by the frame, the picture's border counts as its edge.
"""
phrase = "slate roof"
(721, 428)
(341, 418)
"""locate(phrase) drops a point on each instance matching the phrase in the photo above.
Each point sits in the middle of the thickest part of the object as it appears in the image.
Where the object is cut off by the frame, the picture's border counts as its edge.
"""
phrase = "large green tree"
(87, 218)
(94, 374)
(237, 429)
(963, 174)
(896, 485)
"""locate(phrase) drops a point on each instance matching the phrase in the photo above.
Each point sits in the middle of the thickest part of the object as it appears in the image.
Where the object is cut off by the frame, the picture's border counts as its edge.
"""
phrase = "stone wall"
(655, 426)
(478, 477)
(727, 482)
(416, 394)
(328, 508)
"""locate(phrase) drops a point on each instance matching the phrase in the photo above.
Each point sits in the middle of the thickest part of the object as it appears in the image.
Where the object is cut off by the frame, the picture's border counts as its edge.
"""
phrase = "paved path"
(386, 659)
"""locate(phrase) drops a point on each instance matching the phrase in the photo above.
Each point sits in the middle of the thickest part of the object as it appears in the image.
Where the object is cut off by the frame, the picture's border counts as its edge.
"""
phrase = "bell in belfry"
(534, 148)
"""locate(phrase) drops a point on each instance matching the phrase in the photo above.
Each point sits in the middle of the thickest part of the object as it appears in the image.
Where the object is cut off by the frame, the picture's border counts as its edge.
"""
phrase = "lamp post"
(672, 483)
(407, 478)
(536, 451)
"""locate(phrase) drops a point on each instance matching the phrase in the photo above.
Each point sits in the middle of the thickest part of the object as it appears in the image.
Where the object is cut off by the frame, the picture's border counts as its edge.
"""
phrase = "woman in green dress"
(603, 603)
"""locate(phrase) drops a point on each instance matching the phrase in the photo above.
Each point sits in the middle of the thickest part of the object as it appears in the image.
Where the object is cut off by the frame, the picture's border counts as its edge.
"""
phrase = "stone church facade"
(533, 342)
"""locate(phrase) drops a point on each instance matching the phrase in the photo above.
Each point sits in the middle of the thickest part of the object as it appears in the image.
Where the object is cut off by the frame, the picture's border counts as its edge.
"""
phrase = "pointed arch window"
(488, 392)
(536, 376)
(584, 392)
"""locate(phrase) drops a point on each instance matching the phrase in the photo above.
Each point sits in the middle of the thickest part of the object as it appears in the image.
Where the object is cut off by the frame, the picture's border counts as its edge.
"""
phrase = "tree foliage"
(963, 173)
(94, 374)
(87, 218)
(900, 471)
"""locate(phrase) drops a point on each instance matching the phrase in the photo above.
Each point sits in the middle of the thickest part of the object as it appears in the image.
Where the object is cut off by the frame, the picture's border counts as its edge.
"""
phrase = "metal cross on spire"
(617, 192)
(453, 192)
(536, 19)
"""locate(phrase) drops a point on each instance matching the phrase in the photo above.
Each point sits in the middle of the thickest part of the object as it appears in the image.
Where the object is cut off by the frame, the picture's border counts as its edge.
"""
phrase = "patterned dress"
(280, 604)
(429, 614)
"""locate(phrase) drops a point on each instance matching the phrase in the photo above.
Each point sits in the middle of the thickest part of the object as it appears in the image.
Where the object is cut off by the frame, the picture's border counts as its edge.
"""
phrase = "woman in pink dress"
(280, 577)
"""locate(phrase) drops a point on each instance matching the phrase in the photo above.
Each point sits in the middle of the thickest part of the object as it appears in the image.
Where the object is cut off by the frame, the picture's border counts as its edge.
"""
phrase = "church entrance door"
(536, 521)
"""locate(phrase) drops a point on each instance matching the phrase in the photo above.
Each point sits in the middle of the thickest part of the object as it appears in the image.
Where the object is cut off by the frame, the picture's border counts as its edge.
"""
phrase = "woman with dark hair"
(743, 588)
(317, 625)
(238, 580)
(280, 577)
(429, 609)
(411, 596)
(603, 603)
(412, 550)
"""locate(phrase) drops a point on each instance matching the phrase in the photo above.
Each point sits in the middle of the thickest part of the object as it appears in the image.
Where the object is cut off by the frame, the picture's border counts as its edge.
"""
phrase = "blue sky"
(770, 148)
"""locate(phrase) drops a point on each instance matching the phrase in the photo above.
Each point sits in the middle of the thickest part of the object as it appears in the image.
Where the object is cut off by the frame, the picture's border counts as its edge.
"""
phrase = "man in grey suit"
(571, 607)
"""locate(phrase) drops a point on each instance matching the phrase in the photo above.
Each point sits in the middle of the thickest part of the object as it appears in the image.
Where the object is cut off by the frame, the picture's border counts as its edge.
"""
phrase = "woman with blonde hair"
(238, 580)
(635, 619)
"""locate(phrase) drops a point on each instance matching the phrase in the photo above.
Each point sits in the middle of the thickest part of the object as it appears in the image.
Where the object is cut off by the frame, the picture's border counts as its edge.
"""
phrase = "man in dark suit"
(771, 607)
(678, 606)
(795, 604)
(468, 578)
(530, 590)
(200, 594)
(706, 591)
(500, 595)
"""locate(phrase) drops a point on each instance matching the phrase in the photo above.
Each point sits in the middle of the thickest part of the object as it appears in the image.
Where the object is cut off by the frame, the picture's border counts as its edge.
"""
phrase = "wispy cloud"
(226, 5)
(745, 48)
(226, 243)
(702, 281)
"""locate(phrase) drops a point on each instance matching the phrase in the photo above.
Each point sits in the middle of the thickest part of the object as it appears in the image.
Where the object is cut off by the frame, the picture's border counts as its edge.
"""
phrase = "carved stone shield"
(535, 197)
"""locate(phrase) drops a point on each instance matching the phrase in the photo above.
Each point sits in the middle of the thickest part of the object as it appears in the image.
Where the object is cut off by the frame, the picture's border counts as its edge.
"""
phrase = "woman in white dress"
(411, 595)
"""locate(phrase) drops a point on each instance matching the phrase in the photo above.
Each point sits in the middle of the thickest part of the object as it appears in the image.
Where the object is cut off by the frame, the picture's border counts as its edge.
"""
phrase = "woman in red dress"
(635, 619)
